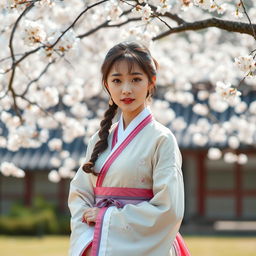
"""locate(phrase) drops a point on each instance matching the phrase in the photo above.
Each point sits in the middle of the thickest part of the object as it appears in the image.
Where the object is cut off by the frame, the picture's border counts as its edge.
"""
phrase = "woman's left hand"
(90, 215)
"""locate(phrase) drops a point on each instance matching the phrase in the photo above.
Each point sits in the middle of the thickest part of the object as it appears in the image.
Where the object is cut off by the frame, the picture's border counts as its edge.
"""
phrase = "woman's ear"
(152, 84)
(105, 84)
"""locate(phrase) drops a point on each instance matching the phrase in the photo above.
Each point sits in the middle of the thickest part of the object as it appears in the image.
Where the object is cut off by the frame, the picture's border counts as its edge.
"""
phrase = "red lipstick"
(127, 100)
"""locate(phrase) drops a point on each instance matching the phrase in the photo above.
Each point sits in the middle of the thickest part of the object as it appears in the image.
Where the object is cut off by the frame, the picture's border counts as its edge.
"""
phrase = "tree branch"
(231, 26)
(253, 29)
(36, 79)
(10, 88)
(106, 25)
(77, 18)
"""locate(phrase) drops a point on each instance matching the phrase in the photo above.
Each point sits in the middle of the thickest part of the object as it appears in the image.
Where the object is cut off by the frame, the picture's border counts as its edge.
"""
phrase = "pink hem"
(97, 232)
(182, 246)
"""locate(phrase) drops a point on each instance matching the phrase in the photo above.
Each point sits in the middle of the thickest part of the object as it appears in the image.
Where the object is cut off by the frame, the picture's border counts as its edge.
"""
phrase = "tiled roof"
(38, 159)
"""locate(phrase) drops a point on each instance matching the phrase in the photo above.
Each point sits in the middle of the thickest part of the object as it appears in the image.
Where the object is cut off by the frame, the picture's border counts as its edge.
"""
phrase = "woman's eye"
(136, 79)
(116, 81)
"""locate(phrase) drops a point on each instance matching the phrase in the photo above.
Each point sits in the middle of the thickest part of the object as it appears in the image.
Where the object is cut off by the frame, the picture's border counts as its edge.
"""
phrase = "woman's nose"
(126, 88)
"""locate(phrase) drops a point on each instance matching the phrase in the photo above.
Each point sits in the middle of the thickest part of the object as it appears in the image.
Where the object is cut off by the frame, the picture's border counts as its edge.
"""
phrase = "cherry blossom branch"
(106, 25)
(36, 79)
(75, 21)
(169, 15)
(253, 29)
(15, 63)
(26, 54)
(10, 88)
(47, 113)
(231, 26)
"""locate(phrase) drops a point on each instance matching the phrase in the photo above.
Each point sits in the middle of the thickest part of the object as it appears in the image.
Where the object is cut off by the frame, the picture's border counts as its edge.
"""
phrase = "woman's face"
(128, 89)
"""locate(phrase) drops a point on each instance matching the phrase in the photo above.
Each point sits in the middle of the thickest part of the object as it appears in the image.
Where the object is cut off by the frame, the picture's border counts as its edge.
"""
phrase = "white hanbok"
(139, 192)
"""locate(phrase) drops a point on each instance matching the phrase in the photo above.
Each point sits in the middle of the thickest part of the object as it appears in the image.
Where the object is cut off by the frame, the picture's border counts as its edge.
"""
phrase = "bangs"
(131, 61)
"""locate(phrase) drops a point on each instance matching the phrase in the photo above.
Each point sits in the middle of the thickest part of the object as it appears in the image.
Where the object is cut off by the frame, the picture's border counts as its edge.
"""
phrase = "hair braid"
(102, 144)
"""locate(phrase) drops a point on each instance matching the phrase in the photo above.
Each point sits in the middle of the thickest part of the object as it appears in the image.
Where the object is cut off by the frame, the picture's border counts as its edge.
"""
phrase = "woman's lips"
(127, 100)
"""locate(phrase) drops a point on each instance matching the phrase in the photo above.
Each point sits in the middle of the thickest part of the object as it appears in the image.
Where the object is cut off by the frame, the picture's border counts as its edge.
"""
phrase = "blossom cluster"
(9, 169)
(71, 59)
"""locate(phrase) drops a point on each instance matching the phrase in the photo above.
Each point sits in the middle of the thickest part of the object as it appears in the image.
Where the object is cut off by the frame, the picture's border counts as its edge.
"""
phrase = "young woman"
(128, 198)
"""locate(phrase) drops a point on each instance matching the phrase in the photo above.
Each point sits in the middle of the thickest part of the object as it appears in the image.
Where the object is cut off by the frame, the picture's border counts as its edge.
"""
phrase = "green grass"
(58, 246)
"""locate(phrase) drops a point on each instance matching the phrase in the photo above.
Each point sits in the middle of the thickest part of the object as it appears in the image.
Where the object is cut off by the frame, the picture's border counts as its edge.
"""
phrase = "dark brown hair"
(131, 52)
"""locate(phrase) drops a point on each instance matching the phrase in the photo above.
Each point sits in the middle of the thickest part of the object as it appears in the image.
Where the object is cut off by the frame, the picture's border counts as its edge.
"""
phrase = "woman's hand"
(90, 215)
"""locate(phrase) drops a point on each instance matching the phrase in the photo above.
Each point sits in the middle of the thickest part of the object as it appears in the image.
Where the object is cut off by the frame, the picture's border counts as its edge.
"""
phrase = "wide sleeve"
(81, 196)
(149, 228)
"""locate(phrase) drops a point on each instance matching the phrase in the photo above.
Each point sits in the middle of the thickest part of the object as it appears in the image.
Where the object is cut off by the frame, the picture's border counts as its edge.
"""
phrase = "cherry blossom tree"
(51, 52)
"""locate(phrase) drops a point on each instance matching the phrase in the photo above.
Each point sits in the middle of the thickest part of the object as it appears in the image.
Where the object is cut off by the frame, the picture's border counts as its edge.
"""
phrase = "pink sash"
(109, 196)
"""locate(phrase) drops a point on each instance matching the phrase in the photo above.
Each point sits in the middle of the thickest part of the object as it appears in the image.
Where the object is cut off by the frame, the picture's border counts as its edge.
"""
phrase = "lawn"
(58, 246)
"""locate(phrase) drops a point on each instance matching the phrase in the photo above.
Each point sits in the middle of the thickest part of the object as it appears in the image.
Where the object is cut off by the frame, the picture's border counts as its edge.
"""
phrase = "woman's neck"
(129, 116)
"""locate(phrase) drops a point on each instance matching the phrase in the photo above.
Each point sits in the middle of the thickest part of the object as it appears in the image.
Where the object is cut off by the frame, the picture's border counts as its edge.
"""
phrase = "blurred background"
(51, 102)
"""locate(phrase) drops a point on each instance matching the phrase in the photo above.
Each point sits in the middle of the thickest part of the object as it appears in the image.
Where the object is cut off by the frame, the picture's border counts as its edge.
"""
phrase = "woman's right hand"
(90, 215)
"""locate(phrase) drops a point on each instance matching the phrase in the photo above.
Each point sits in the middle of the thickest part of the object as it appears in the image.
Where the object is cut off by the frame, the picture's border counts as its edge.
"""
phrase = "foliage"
(39, 219)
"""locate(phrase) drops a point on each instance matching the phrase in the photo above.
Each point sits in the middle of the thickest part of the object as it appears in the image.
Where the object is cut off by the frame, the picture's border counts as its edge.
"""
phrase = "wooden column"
(201, 187)
(28, 188)
(62, 197)
(238, 190)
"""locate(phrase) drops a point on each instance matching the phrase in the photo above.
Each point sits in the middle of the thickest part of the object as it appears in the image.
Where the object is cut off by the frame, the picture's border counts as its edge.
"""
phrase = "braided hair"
(132, 53)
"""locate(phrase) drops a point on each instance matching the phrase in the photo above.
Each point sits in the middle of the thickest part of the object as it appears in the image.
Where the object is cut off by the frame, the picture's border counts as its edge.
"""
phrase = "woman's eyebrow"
(132, 74)
(116, 74)
(136, 73)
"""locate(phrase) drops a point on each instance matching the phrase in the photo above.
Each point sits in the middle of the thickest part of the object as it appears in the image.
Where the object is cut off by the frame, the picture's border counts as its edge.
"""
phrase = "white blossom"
(64, 172)
(60, 116)
(113, 11)
(238, 12)
(217, 103)
(48, 97)
(145, 11)
(217, 134)
(72, 129)
(9, 169)
(3, 142)
(55, 144)
(252, 108)
(55, 162)
(233, 142)
(18, 173)
(203, 95)
(214, 153)
(162, 111)
(33, 33)
(241, 107)
(246, 63)
(201, 109)
(163, 7)
(179, 124)
(200, 139)
(230, 157)
(69, 163)
(79, 110)
(204, 4)
(54, 176)
(64, 154)
(227, 92)
(242, 158)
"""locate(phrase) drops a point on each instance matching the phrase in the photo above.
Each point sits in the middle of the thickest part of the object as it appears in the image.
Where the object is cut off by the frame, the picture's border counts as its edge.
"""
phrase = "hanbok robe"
(139, 190)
